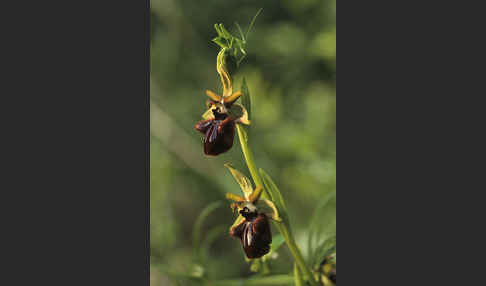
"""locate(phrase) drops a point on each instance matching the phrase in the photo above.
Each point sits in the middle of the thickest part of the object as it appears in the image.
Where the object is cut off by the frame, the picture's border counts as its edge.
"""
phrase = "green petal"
(208, 114)
(238, 112)
(274, 212)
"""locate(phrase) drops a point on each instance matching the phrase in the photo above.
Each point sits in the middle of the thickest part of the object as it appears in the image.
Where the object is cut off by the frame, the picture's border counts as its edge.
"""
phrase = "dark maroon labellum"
(254, 234)
(219, 133)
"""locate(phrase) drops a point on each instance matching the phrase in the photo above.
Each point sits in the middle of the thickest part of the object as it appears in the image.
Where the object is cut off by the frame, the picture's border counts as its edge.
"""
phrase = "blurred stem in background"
(259, 281)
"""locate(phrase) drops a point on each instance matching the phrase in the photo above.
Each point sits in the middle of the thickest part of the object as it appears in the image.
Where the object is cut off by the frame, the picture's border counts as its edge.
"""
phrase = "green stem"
(294, 249)
(248, 155)
(289, 239)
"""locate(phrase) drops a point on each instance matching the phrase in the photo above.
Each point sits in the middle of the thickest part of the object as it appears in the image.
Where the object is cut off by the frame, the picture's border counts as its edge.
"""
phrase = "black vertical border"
(75, 142)
(147, 124)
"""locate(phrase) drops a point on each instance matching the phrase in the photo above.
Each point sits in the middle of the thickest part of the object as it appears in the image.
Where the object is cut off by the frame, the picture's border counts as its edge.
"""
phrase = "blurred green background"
(290, 72)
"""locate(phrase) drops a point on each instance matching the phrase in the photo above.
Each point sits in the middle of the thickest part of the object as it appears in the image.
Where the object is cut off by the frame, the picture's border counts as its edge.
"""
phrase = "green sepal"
(242, 180)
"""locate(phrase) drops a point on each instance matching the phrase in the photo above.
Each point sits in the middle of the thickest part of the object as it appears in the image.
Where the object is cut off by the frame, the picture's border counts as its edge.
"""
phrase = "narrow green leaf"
(315, 228)
(253, 22)
(325, 249)
(245, 98)
(276, 196)
(238, 62)
(196, 232)
(240, 31)
(213, 234)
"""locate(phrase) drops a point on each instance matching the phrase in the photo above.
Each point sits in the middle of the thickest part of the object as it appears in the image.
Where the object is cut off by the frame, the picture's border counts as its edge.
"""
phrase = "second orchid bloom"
(252, 225)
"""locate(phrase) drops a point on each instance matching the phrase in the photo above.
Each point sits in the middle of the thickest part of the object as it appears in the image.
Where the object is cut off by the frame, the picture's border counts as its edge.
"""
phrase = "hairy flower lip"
(219, 126)
(252, 226)
(219, 115)
(218, 133)
(254, 234)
